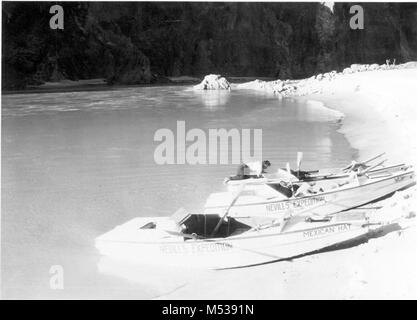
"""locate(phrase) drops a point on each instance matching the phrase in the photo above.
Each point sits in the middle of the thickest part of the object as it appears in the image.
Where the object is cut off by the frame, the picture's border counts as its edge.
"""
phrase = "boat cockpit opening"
(203, 226)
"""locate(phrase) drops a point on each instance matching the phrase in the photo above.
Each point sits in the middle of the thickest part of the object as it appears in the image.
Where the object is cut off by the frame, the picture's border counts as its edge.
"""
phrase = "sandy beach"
(379, 116)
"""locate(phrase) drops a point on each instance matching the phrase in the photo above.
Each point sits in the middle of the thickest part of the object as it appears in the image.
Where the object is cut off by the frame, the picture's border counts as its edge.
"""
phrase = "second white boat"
(328, 196)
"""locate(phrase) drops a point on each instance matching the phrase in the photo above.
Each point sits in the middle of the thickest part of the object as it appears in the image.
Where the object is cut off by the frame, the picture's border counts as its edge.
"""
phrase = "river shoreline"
(101, 85)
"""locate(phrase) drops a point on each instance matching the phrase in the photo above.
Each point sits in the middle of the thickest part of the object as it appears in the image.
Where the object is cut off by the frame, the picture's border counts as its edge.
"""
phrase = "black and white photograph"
(197, 150)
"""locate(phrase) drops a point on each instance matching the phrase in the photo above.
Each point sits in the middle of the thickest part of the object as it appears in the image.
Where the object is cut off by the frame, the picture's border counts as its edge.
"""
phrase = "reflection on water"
(76, 164)
(213, 99)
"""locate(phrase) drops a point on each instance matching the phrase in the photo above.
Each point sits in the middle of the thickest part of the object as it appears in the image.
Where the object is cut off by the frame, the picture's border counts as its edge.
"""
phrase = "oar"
(242, 186)
(299, 158)
(362, 162)
(372, 167)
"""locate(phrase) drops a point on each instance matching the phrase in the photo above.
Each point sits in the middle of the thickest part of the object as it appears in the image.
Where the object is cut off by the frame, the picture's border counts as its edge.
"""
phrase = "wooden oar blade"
(299, 158)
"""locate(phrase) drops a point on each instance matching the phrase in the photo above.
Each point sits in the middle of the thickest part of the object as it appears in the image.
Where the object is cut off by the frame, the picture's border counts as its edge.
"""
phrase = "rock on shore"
(213, 82)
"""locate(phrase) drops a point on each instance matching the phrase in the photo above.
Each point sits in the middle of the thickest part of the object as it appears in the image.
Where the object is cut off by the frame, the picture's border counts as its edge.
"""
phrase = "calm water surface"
(76, 164)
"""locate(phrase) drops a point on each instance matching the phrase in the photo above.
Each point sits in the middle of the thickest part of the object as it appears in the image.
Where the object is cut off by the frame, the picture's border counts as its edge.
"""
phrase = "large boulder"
(213, 82)
(347, 71)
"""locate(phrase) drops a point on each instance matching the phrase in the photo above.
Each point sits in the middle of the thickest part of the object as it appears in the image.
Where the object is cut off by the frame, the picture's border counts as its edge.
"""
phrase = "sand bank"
(380, 109)
(381, 116)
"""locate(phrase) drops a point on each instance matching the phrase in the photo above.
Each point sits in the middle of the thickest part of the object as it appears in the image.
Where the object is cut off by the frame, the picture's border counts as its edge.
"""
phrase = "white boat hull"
(249, 248)
(322, 203)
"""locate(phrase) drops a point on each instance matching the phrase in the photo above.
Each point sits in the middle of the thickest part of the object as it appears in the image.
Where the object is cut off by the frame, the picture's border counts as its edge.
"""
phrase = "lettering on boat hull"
(294, 204)
(191, 248)
(326, 230)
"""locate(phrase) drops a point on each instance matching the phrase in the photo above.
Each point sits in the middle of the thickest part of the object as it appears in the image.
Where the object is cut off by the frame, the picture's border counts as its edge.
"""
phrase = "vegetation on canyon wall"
(133, 42)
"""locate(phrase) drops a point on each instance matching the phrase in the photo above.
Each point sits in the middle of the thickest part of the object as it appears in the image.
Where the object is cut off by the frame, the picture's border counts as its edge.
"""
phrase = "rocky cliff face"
(133, 43)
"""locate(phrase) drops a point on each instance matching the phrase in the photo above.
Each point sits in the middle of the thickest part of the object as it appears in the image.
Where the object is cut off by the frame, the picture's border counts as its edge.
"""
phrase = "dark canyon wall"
(135, 43)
